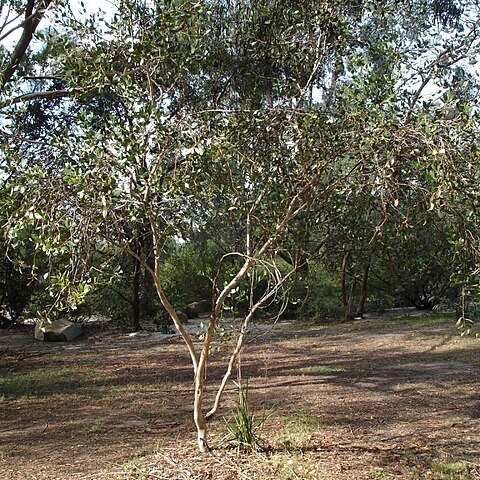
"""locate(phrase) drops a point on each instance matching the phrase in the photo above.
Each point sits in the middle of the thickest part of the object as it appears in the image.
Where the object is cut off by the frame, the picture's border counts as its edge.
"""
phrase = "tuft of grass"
(450, 470)
(245, 428)
(379, 474)
(93, 429)
(158, 447)
(135, 470)
(298, 432)
(322, 370)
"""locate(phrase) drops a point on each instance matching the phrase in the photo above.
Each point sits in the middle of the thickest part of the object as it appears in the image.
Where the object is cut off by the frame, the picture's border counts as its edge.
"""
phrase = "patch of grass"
(371, 324)
(364, 368)
(322, 370)
(96, 373)
(394, 322)
(292, 468)
(305, 325)
(101, 394)
(298, 432)
(450, 471)
(93, 429)
(426, 320)
(41, 381)
(4, 364)
(147, 413)
(379, 474)
(55, 356)
(135, 470)
(468, 357)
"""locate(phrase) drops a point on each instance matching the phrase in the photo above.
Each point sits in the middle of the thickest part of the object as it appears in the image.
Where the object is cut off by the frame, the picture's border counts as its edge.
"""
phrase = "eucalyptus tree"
(215, 110)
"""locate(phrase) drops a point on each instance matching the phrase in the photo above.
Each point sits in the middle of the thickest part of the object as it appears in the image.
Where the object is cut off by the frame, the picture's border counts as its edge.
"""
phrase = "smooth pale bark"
(198, 416)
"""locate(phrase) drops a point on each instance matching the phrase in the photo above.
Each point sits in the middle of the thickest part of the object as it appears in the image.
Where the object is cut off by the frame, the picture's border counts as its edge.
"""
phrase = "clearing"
(373, 399)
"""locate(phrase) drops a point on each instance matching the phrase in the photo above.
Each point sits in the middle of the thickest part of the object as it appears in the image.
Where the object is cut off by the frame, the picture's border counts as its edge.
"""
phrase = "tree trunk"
(135, 320)
(198, 416)
(363, 292)
(344, 279)
(348, 310)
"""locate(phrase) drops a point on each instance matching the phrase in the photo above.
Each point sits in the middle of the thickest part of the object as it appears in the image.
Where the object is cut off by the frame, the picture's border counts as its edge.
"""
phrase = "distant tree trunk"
(363, 292)
(330, 95)
(135, 320)
(349, 306)
(344, 279)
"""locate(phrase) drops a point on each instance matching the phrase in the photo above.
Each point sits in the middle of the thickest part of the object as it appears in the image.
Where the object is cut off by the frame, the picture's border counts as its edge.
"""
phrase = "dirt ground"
(379, 398)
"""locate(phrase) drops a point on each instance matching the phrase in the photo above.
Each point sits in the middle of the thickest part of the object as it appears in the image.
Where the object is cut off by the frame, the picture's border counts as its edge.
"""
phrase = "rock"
(194, 309)
(6, 320)
(163, 321)
(182, 316)
(57, 331)
(204, 306)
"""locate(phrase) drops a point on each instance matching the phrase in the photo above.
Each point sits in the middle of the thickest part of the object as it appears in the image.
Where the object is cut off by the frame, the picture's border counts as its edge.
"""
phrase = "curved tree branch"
(32, 20)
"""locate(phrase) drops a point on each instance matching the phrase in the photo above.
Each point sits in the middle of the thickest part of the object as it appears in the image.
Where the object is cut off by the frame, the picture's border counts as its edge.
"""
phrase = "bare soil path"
(380, 398)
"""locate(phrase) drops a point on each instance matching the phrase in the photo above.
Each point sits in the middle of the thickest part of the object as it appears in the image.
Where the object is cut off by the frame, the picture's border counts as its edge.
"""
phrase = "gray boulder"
(57, 331)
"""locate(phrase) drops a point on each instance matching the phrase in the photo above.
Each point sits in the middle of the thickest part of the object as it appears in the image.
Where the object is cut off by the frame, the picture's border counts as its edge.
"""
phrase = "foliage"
(188, 271)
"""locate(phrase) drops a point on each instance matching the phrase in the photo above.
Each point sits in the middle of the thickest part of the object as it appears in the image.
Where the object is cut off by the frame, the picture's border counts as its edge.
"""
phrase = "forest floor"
(384, 398)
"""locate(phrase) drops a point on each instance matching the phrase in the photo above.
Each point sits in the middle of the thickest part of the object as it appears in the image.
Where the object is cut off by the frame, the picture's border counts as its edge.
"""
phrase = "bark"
(344, 279)
(363, 292)
(198, 416)
(330, 96)
(348, 310)
(49, 94)
(301, 263)
(136, 294)
(30, 24)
